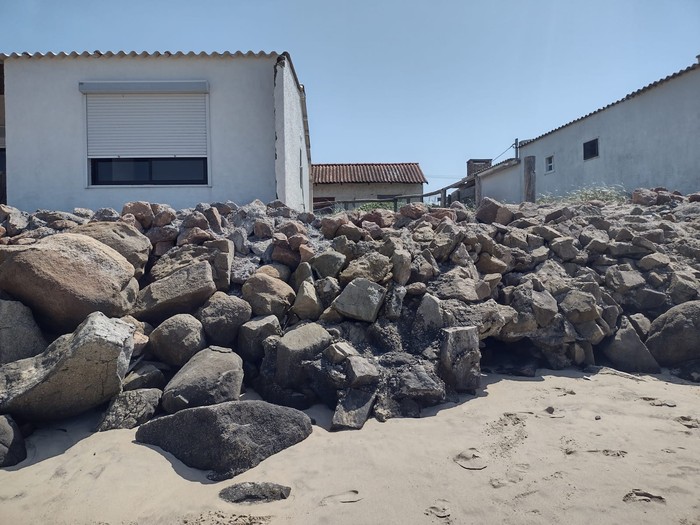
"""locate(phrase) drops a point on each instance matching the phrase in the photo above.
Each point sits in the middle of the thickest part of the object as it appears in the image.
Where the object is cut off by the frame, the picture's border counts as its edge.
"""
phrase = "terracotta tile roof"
(628, 97)
(401, 173)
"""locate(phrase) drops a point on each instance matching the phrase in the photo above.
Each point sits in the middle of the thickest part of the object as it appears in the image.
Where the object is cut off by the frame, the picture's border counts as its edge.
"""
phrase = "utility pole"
(516, 144)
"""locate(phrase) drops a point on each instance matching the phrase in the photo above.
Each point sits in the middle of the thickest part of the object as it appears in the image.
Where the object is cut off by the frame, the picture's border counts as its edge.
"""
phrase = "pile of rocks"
(381, 314)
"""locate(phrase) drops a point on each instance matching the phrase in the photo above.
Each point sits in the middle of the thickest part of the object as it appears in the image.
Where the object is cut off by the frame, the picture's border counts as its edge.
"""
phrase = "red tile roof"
(397, 173)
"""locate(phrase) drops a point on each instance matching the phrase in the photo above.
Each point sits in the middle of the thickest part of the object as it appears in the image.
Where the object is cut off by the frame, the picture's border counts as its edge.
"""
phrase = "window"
(590, 149)
(549, 164)
(147, 132)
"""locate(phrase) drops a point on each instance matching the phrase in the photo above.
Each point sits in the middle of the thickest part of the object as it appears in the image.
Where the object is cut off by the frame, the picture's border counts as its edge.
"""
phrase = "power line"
(506, 151)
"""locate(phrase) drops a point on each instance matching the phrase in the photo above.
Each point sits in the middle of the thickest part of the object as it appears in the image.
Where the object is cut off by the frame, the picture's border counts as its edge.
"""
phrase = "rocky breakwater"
(161, 318)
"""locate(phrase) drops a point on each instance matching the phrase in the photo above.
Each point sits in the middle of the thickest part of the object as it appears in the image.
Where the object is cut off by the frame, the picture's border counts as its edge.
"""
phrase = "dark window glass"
(149, 171)
(590, 149)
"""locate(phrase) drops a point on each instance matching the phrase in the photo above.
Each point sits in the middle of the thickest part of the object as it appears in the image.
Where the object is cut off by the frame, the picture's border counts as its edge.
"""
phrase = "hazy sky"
(435, 82)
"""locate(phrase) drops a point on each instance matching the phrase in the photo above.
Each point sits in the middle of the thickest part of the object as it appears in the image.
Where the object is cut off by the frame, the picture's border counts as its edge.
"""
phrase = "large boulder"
(130, 409)
(227, 438)
(77, 372)
(182, 291)
(268, 295)
(20, 336)
(627, 352)
(252, 334)
(177, 339)
(304, 343)
(65, 277)
(222, 316)
(218, 253)
(361, 299)
(460, 358)
(674, 335)
(12, 447)
(212, 376)
(121, 237)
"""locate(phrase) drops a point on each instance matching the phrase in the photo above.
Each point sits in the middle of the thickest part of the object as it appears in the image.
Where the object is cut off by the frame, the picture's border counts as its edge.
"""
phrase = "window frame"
(549, 164)
(597, 149)
(149, 162)
(155, 87)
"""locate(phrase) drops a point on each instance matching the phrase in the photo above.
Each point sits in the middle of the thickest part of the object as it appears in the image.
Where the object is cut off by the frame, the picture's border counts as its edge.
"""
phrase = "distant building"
(649, 138)
(100, 129)
(350, 182)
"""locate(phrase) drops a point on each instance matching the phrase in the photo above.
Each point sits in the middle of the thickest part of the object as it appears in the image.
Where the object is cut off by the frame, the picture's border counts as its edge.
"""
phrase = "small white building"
(99, 129)
(649, 138)
(354, 182)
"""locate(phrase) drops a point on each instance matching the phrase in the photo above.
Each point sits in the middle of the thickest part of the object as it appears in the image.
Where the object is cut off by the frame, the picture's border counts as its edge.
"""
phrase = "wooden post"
(443, 198)
(529, 179)
(477, 190)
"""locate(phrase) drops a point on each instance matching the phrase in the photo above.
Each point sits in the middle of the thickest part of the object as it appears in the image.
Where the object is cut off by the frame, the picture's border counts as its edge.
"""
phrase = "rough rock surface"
(77, 372)
(121, 237)
(177, 339)
(227, 438)
(20, 337)
(12, 447)
(674, 335)
(130, 409)
(212, 376)
(65, 277)
(252, 492)
(222, 316)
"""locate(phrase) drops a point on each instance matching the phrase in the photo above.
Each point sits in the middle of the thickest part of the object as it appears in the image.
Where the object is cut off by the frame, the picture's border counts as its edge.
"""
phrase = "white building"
(650, 138)
(100, 129)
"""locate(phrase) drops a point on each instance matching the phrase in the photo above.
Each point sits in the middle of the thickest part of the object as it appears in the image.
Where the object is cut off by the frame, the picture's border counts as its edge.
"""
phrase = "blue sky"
(435, 82)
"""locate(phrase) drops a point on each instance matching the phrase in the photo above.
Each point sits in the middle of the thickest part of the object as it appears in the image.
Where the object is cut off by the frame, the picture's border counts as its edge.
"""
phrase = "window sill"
(122, 186)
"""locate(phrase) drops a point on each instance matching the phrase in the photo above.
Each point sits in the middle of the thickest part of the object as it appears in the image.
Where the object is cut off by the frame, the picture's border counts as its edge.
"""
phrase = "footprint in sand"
(610, 453)
(470, 459)
(688, 422)
(440, 509)
(659, 402)
(642, 496)
(350, 496)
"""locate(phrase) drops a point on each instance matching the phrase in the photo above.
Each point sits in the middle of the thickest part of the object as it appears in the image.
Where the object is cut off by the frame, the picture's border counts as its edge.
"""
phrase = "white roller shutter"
(147, 125)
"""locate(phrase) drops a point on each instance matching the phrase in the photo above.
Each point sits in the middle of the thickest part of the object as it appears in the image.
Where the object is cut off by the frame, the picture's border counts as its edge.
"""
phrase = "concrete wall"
(46, 129)
(648, 141)
(505, 185)
(2, 121)
(291, 152)
(348, 192)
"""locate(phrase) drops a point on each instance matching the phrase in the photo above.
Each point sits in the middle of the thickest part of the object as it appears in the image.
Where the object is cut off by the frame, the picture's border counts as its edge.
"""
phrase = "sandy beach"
(567, 446)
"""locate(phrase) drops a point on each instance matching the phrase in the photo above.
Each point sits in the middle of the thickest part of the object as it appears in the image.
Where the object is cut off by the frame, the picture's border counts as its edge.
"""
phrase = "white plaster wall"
(2, 121)
(46, 142)
(292, 186)
(505, 185)
(348, 192)
(648, 141)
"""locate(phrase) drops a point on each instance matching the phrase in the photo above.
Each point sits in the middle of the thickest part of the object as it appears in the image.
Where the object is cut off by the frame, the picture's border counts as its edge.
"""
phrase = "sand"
(566, 447)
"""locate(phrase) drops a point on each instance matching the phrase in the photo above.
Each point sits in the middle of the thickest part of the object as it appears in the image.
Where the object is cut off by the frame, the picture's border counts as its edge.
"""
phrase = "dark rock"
(353, 409)
(222, 316)
(300, 344)
(212, 376)
(130, 409)
(674, 335)
(227, 438)
(254, 492)
(177, 339)
(20, 337)
(12, 447)
(627, 352)
(460, 358)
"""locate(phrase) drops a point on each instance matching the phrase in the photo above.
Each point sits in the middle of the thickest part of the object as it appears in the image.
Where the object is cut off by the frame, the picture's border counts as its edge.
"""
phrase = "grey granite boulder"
(77, 372)
(268, 295)
(182, 291)
(460, 358)
(252, 334)
(227, 438)
(674, 336)
(177, 339)
(130, 409)
(212, 376)
(222, 316)
(20, 337)
(627, 352)
(300, 344)
(361, 299)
